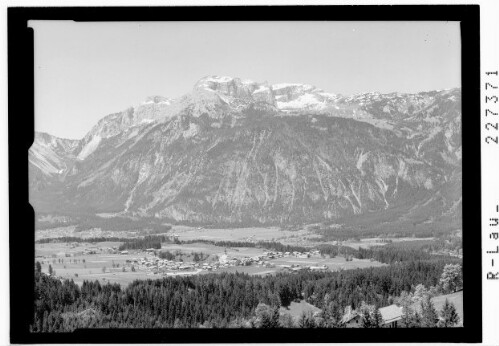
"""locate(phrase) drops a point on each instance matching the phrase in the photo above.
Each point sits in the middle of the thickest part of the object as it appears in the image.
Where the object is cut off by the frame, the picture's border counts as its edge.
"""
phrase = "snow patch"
(261, 88)
(306, 100)
(247, 82)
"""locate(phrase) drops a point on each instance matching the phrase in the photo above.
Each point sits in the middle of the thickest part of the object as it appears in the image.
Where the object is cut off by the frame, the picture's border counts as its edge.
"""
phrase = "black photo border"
(21, 134)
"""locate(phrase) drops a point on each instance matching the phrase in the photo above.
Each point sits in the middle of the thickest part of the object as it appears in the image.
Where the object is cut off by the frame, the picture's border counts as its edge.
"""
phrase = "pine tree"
(336, 316)
(429, 316)
(306, 320)
(376, 318)
(409, 316)
(449, 316)
(370, 316)
(365, 316)
(267, 316)
(38, 267)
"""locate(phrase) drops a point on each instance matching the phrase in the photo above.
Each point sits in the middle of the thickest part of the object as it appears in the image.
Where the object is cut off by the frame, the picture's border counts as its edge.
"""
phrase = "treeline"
(216, 300)
(82, 240)
(447, 242)
(115, 223)
(335, 250)
(148, 242)
(390, 253)
(170, 256)
(167, 255)
(402, 252)
(370, 225)
(269, 245)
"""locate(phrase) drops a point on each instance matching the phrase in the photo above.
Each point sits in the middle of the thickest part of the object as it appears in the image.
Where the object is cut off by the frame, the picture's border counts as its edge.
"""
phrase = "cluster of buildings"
(157, 265)
(279, 254)
(298, 267)
(226, 261)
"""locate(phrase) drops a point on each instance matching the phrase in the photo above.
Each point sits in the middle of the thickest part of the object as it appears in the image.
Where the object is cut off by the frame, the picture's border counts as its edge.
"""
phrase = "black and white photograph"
(248, 175)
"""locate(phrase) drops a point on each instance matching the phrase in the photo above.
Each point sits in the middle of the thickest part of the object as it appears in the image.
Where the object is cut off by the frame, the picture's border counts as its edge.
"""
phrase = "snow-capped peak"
(293, 85)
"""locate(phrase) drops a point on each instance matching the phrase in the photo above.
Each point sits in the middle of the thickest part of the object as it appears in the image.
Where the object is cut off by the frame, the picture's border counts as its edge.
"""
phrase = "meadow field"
(104, 267)
(298, 237)
(367, 243)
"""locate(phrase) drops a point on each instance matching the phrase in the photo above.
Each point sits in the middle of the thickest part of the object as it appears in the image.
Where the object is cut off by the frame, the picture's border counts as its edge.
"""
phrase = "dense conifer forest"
(226, 300)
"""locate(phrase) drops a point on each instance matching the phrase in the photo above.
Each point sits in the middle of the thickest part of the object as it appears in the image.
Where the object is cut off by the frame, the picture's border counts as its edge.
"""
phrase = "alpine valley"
(235, 152)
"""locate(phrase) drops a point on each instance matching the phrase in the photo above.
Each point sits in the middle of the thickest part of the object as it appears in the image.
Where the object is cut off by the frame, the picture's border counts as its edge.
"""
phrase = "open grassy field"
(454, 298)
(299, 237)
(60, 249)
(367, 243)
(87, 266)
(213, 250)
(295, 309)
(332, 264)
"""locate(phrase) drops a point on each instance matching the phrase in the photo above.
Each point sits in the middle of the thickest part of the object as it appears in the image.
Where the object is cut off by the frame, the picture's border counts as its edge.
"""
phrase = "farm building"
(223, 258)
(318, 268)
(391, 314)
(352, 321)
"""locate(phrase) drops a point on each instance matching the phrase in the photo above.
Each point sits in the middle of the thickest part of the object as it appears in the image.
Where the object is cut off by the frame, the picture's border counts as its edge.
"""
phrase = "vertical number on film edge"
(491, 98)
(491, 101)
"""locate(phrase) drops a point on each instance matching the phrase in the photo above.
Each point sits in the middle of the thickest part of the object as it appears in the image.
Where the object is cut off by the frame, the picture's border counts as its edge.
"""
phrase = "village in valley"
(190, 251)
(104, 260)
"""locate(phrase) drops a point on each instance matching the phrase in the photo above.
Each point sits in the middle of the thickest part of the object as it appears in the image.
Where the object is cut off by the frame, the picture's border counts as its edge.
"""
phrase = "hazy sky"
(84, 71)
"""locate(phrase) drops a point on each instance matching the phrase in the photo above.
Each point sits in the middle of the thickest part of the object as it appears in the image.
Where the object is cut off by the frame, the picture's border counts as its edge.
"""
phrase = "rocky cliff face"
(235, 151)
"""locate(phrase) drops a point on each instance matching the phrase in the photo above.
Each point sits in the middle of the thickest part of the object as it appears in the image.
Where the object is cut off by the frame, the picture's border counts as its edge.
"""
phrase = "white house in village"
(223, 259)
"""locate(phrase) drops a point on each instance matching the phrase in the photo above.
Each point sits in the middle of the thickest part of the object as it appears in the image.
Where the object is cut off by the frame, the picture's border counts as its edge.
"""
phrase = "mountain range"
(235, 152)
